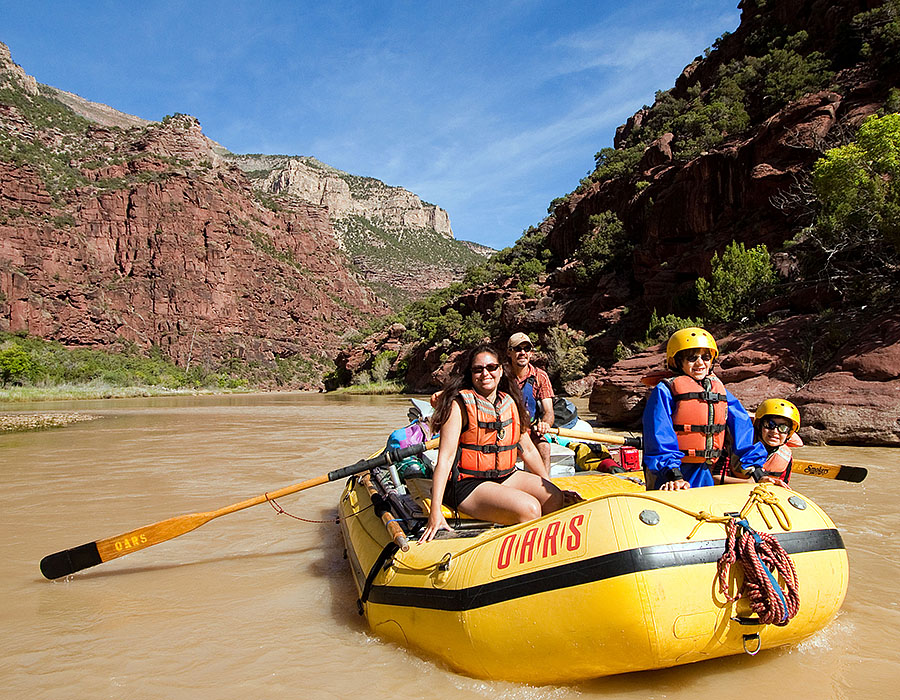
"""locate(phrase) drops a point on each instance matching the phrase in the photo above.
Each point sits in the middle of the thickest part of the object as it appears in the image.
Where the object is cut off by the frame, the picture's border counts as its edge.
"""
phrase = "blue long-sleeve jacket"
(661, 453)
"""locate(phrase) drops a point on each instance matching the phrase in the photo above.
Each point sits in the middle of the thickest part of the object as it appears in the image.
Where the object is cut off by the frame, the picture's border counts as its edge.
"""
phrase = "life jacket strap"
(707, 429)
(489, 449)
(496, 425)
(487, 473)
(705, 454)
(705, 396)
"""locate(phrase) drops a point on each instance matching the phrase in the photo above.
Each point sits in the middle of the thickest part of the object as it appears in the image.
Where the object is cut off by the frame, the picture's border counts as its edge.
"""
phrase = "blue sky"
(487, 109)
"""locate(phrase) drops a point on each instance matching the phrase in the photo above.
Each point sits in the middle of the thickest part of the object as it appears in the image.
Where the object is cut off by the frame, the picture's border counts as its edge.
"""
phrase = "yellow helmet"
(686, 339)
(779, 407)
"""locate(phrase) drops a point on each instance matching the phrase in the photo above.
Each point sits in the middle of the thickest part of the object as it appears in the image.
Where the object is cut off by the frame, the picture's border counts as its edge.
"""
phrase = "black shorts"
(459, 490)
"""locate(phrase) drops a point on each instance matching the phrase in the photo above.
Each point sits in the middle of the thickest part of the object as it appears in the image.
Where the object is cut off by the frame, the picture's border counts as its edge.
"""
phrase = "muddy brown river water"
(260, 605)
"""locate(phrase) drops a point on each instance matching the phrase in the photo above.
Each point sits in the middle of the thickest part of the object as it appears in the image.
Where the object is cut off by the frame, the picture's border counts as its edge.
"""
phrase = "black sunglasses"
(782, 428)
(705, 356)
(478, 369)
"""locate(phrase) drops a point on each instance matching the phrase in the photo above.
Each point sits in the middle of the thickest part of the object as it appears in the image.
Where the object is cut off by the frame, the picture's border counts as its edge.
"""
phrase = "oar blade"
(87, 555)
(69, 561)
(853, 474)
(839, 472)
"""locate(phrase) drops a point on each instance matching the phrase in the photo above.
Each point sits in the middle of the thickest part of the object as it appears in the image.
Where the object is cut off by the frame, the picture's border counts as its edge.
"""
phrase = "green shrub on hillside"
(566, 356)
(610, 163)
(858, 186)
(603, 246)
(745, 90)
(527, 259)
(661, 327)
(740, 279)
(880, 31)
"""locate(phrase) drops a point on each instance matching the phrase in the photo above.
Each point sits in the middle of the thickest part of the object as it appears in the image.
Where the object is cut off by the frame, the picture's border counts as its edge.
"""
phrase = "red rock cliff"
(160, 243)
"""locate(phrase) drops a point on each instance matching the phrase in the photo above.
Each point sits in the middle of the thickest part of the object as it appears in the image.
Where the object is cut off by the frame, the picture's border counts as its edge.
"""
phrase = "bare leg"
(522, 497)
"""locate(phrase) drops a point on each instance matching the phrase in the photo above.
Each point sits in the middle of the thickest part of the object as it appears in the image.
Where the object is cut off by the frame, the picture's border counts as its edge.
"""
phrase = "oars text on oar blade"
(87, 555)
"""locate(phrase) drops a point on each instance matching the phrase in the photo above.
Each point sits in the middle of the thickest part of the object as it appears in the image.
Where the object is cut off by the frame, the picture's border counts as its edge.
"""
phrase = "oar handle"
(387, 457)
(597, 437)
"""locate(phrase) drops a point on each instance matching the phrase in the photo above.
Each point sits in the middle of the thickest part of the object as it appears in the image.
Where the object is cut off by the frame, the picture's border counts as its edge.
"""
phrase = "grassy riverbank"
(379, 388)
(98, 390)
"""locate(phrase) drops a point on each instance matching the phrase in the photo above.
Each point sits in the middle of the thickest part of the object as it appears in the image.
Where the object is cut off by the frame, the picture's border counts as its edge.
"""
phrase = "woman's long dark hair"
(461, 378)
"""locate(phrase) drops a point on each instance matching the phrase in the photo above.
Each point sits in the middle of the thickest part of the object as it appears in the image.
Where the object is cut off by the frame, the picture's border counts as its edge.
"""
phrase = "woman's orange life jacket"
(487, 447)
(698, 415)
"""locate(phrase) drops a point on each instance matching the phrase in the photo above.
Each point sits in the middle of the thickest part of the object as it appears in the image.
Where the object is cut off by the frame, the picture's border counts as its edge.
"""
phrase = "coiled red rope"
(761, 557)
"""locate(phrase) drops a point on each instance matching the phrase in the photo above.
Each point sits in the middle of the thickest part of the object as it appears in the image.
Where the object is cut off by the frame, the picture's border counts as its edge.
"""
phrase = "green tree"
(566, 356)
(382, 365)
(739, 280)
(661, 327)
(858, 187)
(603, 245)
(880, 31)
(16, 364)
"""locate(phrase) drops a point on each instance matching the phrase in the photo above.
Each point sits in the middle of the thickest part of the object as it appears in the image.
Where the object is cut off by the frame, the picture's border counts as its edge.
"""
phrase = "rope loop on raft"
(760, 556)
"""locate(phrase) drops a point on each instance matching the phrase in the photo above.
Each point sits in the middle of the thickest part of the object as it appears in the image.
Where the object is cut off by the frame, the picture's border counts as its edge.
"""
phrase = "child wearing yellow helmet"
(775, 426)
(687, 416)
(777, 422)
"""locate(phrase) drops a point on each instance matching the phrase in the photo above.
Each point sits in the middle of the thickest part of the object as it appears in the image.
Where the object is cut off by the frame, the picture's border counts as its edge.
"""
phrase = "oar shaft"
(597, 437)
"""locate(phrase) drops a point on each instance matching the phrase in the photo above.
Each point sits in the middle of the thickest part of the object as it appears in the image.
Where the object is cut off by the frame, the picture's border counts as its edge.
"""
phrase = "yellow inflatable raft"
(624, 581)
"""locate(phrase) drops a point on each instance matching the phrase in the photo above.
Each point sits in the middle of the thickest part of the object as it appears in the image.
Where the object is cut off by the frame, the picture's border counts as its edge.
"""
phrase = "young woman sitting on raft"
(687, 415)
(775, 426)
(480, 415)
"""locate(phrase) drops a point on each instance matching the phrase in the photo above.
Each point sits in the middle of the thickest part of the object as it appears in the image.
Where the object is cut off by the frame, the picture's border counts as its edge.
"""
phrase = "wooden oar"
(840, 472)
(69, 561)
(597, 437)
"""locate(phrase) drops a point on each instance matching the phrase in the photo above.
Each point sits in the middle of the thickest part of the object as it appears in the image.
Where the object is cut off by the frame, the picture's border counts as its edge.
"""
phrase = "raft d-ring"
(797, 502)
(751, 637)
(444, 563)
(649, 517)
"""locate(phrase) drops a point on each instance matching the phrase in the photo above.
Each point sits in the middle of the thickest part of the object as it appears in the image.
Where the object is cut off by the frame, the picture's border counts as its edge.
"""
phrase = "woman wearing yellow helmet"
(688, 414)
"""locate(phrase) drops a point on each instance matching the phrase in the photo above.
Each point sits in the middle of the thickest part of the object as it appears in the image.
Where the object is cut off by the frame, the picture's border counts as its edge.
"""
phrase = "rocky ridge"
(395, 240)
(344, 194)
(146, 235)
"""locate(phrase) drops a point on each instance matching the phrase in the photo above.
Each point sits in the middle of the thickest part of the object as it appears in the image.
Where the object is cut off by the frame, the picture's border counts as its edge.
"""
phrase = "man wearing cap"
(536, 389)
